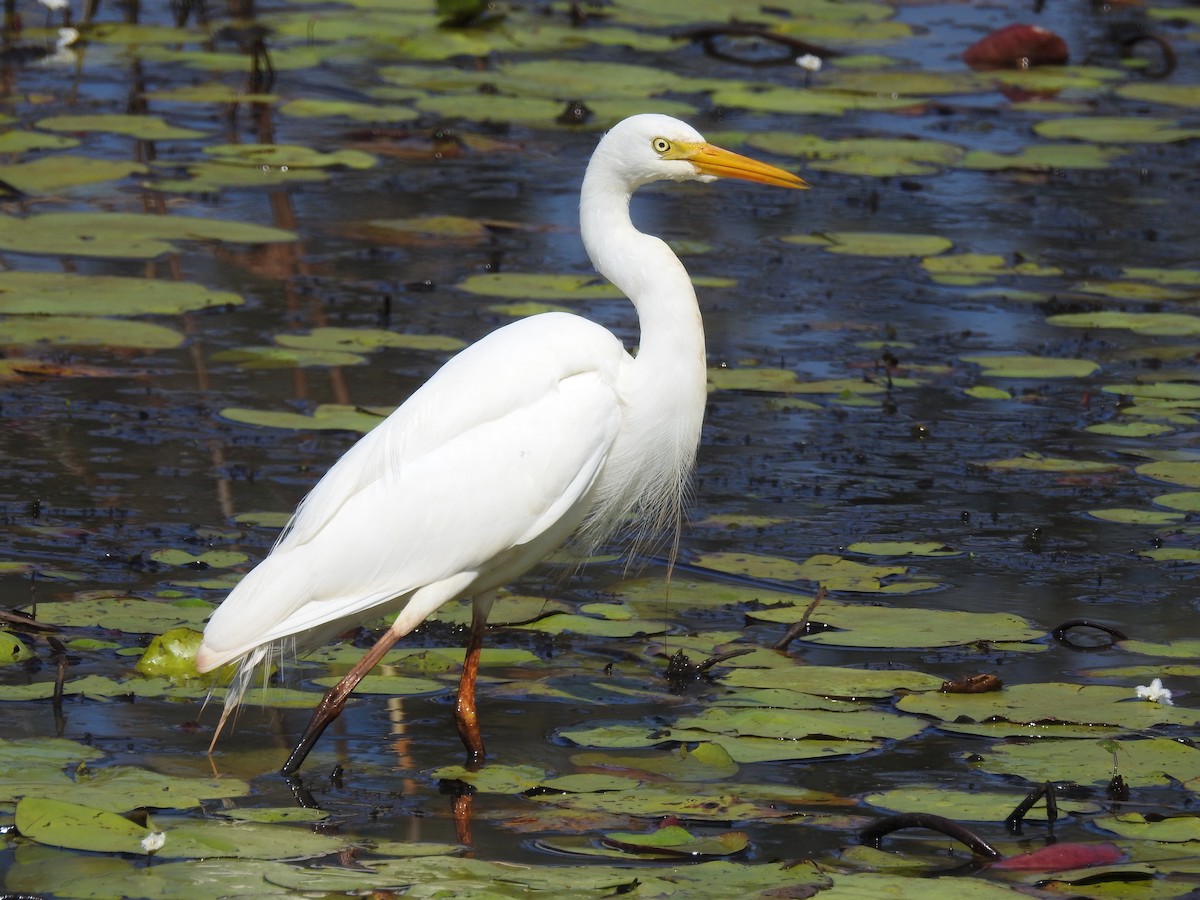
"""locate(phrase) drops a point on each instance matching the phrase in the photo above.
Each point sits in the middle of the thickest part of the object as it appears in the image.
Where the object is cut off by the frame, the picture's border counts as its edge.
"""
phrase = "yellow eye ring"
(660, 145)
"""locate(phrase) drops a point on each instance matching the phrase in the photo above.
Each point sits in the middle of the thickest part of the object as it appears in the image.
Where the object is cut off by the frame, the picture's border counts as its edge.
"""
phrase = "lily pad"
(979, 268)
(365, 339)
(1051, 703)
(124, 235)
(289, 156)
(834, 681)
(81, 332)
(348, 109)
(61, 293)
(54, 174)
(1137, 516)
(1043, 157)
(326, 417)
(1150, 323)
(868, 243)
(879, 157)
(129, 614)
(855, 625)
(1023, 366)
(146, 128)
(1185, 473)
(1036, 462)
(1154, 762)
(1116, 129)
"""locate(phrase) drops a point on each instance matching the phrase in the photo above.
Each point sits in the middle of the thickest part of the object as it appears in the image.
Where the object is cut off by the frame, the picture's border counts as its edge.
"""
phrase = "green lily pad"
(326, 417)
(87, 332)
(1137, 516)
(591, 626)
(833, 572)
(390, 685)
(285, 358)
(972, 806)
(172, 655)
(793, 724)
(54, 174)
(62, 824)
(1116, 129)
(986, 392)
(879, 157)
(813, 102)
(1024, 366)
(868, 243)
(128, 614)
(1186, 95)
(1036, 462)
(61, 293)
(124, 235)
(858, 625)
(365, 339)
(1183, 501)
(1042, 157)
(1154, 762)
(1133, 290)
(834, 681)
(216, 558)
(119, 788)
(493, 779)
(1182, 472)
(1130, 429)
(213, 92)
(1171, 829)
(348, 109)
(289, 155)
(13, 649)
(146, 128)
(678, 840)
(1052, 703)
(979, 268)
(903, 548)
(1150, 323)
(15, 142)
(213, 177)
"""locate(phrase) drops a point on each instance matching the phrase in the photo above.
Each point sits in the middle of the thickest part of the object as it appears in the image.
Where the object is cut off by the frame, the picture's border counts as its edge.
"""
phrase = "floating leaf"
(903, 548)
(290, 156)
(813, 102)
(1036, 462)
(794, 724)
(13, 649)
(216, 558)
(856, 625)
(986, 392)
(87, 331)
(213, 177)
(1116, 129)
(972, 806)
(868, 243)
(1129, 429)
(1137, 516)
(1024, 366)
(365, 339)
(1186, 95)
(129, 614)
(54, 174)
(1185, 472)
(879, 157)
(1041, 157)
(1166, 324)
(62, 824)
(679, 840)
(285, 358)
(1051, 703)
(348, 109)
(978, 268)
(146, 128)
(15, 142)
(1168, 829)
(326, 417)
(1154, 762)
(61, 293)
(834, 681)
(124, 235)
(1184, 501)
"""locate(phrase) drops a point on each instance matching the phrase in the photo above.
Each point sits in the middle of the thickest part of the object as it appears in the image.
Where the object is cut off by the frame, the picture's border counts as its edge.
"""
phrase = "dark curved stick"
(873, 835)
(1017, 816)
(1060, 634)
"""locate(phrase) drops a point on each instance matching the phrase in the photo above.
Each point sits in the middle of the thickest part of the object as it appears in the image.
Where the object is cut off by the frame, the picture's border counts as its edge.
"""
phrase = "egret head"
(650, 147)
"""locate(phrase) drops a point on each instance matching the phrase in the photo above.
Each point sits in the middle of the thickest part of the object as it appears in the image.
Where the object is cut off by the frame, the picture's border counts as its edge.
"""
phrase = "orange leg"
(465, 715)
(331, 704)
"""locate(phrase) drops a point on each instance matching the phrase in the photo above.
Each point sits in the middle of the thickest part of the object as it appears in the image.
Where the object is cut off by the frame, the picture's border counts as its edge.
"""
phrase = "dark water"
(95, 474)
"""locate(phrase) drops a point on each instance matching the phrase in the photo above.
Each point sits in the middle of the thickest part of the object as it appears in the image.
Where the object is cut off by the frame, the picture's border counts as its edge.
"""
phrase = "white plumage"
(543, 431)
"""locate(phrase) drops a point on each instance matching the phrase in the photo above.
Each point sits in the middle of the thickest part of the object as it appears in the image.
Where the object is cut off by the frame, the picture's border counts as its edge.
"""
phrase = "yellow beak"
(710, 160)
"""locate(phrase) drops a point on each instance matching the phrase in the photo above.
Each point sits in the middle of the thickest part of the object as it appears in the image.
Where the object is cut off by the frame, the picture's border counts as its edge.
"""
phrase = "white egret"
(544, 431)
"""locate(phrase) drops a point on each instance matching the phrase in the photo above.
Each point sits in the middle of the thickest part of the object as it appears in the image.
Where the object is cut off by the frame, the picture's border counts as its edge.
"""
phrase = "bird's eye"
(660, 145)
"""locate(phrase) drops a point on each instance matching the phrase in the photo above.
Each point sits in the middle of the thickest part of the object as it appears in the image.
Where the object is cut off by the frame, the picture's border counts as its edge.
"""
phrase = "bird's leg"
(465, 715)
(331, 704)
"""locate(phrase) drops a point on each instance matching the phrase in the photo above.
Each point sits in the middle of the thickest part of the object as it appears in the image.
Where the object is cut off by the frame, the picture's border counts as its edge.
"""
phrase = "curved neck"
(645, 270)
